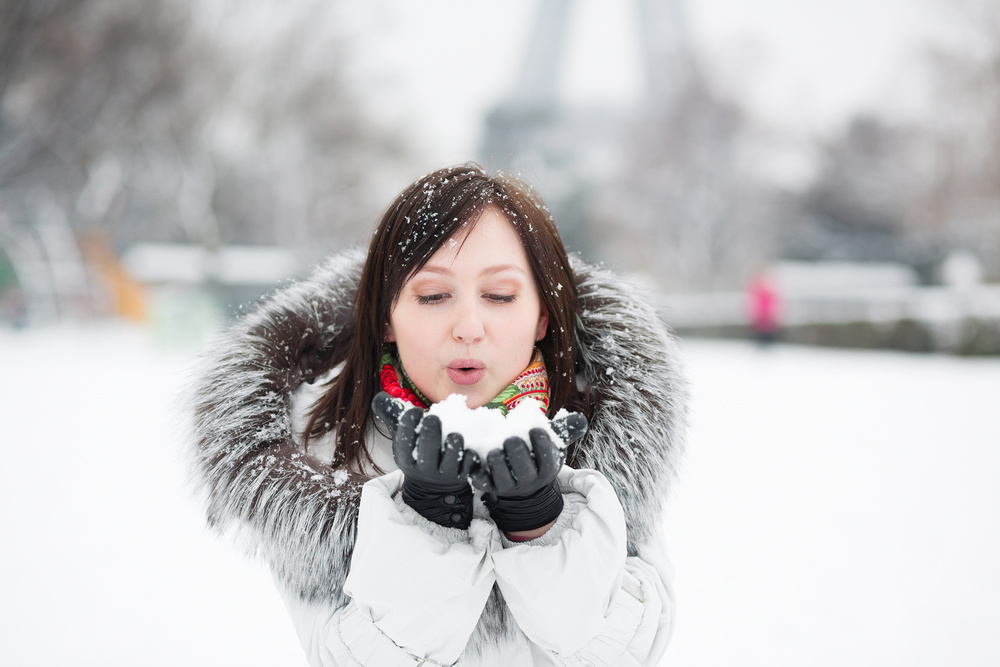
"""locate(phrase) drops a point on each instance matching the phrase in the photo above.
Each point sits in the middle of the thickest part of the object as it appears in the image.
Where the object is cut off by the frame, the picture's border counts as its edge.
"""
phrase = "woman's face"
(467, 322)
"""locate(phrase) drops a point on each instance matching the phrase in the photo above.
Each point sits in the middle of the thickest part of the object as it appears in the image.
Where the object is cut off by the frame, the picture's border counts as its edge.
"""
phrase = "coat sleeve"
(416, 589)
(574, 591)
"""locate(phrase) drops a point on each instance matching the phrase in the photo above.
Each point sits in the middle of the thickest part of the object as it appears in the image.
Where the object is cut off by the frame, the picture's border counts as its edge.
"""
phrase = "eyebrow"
(488, 271)
(500, 268)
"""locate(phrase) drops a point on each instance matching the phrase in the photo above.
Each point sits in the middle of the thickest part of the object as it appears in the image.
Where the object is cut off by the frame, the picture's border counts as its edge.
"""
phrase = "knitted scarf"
(533, 381)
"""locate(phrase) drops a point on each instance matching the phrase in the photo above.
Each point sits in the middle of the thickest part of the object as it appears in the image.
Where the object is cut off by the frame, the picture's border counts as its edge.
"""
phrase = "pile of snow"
(484, 430)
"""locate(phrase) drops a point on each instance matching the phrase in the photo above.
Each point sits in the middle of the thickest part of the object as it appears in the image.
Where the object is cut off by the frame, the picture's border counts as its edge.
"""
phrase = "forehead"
(491, 234)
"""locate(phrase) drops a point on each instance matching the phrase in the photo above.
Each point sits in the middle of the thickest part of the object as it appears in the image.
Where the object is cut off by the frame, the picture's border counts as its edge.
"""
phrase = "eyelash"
(431, 299)
(434, 299)
(501, 298)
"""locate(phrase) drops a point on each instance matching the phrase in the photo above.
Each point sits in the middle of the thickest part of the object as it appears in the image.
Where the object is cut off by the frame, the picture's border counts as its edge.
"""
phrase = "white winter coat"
(370, 582)
(417, 589)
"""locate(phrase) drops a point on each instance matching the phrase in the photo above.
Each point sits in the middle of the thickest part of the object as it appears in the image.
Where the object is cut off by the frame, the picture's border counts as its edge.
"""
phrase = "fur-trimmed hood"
(300, 515)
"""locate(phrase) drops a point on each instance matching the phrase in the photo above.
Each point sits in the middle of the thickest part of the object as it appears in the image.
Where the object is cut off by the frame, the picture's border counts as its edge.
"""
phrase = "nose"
(468, 325)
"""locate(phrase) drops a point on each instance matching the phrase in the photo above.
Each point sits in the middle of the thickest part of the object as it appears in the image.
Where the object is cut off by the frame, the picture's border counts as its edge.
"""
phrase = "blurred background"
(173, 156)
(786, 179)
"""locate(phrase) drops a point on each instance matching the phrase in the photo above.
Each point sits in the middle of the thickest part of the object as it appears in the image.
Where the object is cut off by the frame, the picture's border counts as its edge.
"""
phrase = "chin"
(473, 400)
(473, 397)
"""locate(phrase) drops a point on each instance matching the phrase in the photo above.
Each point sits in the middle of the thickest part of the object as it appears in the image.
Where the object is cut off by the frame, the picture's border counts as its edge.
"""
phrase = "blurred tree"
(170, 121)
(696, 218)
(861, 203)
(74, 76)
(78, 80)
(963, 202)
(859, 187)
(918, 191)
(286, 142)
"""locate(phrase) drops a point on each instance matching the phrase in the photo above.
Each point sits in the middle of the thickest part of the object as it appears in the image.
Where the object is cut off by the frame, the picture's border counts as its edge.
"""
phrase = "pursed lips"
(466, 371)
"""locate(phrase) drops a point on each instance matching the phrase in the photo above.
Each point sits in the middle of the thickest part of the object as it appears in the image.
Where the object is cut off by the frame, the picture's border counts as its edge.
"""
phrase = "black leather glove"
(435, 473)
(519, 484)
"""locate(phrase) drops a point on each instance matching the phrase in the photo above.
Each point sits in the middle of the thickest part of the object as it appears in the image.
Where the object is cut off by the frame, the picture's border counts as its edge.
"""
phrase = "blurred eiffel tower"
(568, 149)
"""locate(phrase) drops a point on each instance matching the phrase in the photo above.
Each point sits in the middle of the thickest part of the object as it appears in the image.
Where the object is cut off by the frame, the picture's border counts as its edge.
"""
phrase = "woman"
(380, 547)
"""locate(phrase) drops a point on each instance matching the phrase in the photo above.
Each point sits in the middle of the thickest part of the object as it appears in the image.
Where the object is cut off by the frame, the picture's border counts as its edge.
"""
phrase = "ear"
(543, 324)
(389, 336)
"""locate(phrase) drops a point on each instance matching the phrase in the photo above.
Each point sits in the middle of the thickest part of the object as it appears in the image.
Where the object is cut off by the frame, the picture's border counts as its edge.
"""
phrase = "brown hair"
(419, 221)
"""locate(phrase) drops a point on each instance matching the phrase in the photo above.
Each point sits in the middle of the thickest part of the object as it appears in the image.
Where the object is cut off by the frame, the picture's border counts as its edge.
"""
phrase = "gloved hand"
(519, 484)
(435, 474)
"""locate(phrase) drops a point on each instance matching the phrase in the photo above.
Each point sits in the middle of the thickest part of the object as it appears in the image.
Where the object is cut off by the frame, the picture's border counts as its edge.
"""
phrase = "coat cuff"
(412, 516)
(422, 585)
(588, 543)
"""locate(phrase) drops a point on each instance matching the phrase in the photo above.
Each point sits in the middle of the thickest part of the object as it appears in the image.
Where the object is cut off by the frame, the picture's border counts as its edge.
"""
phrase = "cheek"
(412, 330)
(401, 323)
(521, 334)
(535, 320)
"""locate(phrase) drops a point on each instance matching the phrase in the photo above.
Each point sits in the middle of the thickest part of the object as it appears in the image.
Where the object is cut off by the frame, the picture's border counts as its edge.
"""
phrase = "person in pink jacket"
(763, 308)
(390, 541)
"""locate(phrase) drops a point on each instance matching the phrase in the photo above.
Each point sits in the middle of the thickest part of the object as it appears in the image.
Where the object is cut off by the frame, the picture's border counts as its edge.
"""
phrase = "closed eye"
(501, 298)
(431, 299)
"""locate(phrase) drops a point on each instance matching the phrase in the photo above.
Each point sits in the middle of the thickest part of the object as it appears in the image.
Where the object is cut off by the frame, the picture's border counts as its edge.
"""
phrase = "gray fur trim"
(632, 365)
(300, 515)
(280, 503)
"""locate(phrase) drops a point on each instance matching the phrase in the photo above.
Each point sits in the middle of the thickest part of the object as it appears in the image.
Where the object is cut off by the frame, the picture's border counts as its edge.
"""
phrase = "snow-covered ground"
(838, 508)
(835, 508)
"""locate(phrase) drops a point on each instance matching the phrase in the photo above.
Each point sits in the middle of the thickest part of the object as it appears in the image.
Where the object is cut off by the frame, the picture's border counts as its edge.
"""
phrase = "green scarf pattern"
(533, 381)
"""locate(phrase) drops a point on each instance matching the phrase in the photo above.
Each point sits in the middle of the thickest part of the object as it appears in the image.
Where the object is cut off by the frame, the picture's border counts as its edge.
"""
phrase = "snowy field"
(835, 508)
